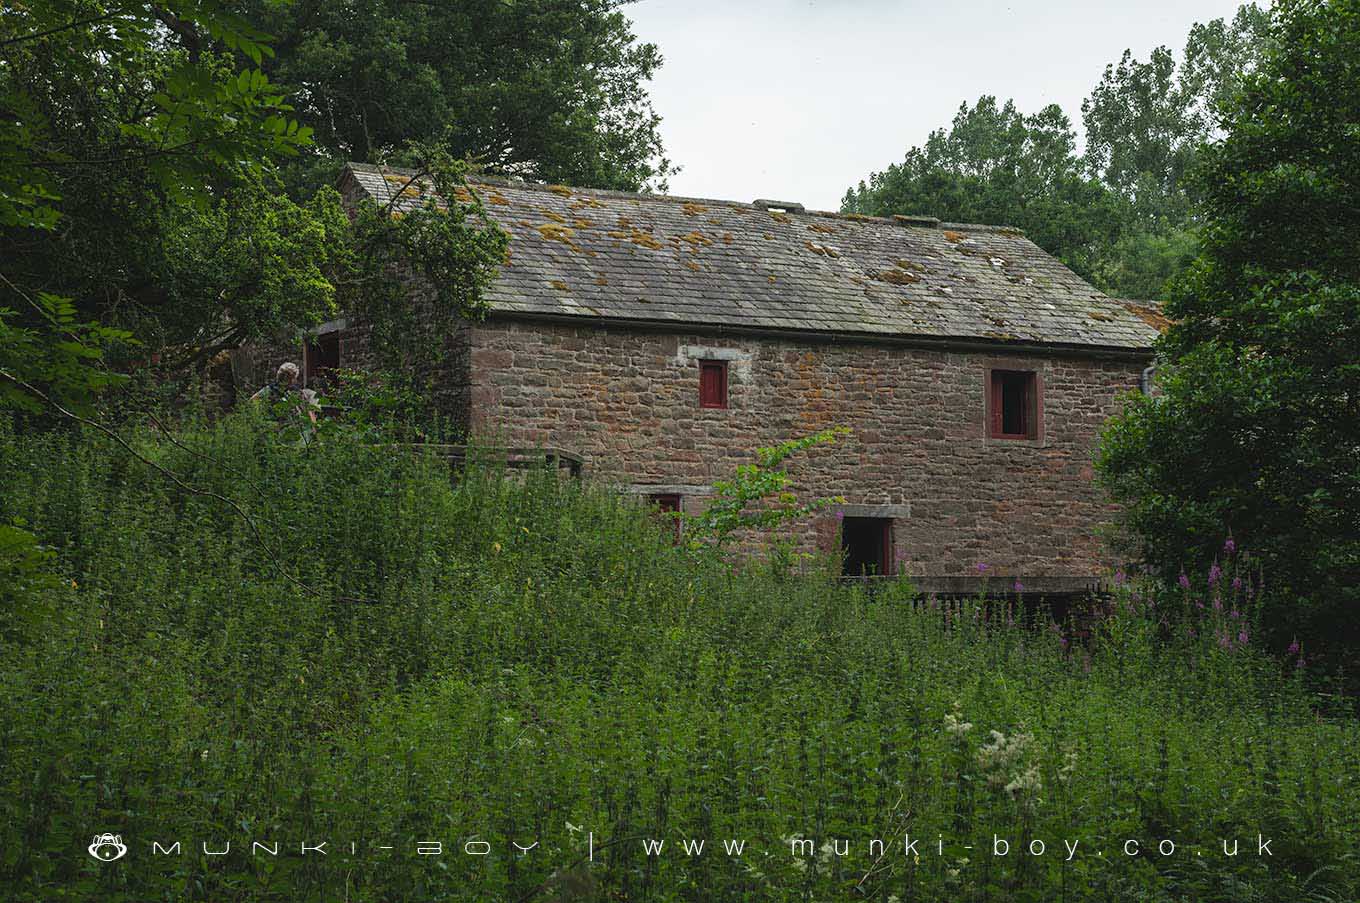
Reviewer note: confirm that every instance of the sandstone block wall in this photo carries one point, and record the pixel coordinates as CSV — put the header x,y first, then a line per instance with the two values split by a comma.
x,y
629,401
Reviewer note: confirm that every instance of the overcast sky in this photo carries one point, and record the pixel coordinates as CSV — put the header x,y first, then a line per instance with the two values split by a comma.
x,y
797,100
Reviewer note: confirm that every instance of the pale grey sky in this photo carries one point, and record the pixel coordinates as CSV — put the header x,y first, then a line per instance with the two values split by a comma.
x,y
797,100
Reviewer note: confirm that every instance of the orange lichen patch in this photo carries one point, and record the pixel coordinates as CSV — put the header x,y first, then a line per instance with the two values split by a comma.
x,y
911,265
896,277
506,261
1101,315
772,278
559,285
769,236
692,265
638,237
411,191
555,217
951,235
561,190
497,198
696,239
691,209
1150,314
858,217
600,280
582,203
714,221
625,222
581,223
554,232
824,250
780,217
406,182
823,229
727,237
526,222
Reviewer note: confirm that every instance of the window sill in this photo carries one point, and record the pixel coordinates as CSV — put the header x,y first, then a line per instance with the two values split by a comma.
x,y
1017,442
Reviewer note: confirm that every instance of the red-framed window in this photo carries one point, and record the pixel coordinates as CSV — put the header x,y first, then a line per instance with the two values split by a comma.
x,y
712,384
1013,404
667,505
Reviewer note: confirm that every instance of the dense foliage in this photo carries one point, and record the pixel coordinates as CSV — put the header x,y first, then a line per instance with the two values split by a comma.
x,y
397,659
118,123
146,149
1118,213
553,90
1256,425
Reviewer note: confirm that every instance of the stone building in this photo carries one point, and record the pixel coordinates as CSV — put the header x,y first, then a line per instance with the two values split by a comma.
x,y
665,339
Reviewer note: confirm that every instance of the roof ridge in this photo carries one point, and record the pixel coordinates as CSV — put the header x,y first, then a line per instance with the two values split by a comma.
x,y
897,220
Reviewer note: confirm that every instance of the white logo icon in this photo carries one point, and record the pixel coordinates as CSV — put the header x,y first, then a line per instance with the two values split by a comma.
x,y
107,847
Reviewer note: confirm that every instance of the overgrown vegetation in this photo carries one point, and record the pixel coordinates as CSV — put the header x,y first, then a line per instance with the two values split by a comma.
x,y
516,657
1254,429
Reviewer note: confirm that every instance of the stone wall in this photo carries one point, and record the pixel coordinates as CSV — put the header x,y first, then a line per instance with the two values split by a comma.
x,y
629,401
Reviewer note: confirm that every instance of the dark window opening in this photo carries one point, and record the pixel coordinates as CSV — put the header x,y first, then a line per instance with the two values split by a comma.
x,y
320,354
667,506
866,546
712,384
1013,405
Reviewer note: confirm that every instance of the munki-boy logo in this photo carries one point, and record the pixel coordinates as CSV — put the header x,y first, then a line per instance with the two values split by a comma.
x,y
107,847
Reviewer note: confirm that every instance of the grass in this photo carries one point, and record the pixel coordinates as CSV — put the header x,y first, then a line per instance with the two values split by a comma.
x,y
520,658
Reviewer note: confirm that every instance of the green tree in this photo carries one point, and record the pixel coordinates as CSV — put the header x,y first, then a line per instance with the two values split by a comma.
x,y
548,89
1145,119
1256,430
1119,214
997,165
103,105
145,205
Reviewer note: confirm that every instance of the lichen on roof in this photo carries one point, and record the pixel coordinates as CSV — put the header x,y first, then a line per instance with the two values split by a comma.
x,y
780,269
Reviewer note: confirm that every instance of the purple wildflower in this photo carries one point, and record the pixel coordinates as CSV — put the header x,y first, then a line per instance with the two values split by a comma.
x,y
1234,614
1242,637
1237,584
1019,587
1294,647
1120,577
1214,573
982,567
1230,546
1184,581
840,515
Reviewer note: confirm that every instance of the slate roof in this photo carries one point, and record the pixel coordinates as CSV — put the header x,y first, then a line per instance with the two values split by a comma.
x,y
638,257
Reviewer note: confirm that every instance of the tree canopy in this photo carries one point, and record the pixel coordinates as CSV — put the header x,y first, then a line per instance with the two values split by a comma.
x,y
997,165
552,90
1118,213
